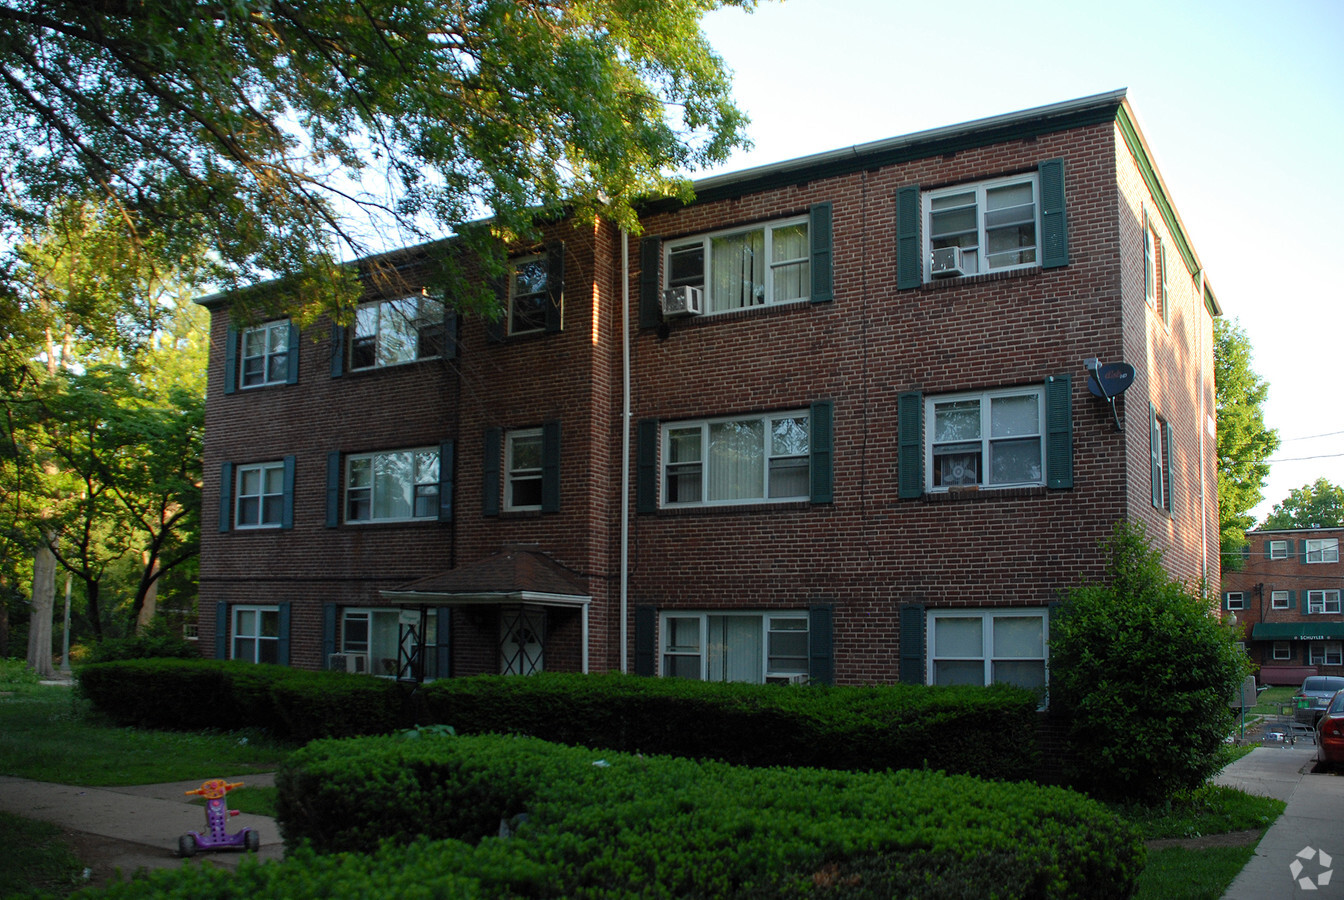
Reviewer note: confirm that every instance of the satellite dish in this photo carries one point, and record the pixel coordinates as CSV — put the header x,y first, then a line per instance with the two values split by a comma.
x,y
1110,380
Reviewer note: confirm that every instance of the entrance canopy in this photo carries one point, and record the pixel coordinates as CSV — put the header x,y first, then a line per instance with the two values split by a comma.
x,y
1297,631
514,576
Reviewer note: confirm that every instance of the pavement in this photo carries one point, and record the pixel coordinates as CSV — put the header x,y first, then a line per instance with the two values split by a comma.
x,y
1302,853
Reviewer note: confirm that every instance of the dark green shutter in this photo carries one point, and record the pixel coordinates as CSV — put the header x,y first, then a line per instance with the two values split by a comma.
x,y
446,460
1227,600
1269,549
1289,548
292,356
650,295
449,332
1155,454
646,632
337,350
912,643
1059,431
821,442
328,633
287,512
1245,552
646,467
1166,283
1169,448
1292,599
231,361
909,252
490,464
498,329
221,630
333,489
821,644
1054,221
910,441
1306,602
443,643
555,287
550,467
282,645
822,257
225,496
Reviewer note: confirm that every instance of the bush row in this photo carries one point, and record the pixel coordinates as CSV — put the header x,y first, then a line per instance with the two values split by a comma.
x,y
988,732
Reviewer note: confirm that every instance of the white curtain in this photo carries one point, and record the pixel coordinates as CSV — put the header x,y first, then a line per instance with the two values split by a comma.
x,y
738,277
737,460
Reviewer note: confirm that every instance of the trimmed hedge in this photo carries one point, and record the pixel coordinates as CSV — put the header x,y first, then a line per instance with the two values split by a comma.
x,y
989,732
592,824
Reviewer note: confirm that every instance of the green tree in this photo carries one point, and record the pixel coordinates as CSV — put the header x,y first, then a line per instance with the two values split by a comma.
x,y
1317,505
284,135
1245,443
1143,670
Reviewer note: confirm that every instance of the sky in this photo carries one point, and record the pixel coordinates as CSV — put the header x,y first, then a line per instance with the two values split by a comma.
x,y
1242,104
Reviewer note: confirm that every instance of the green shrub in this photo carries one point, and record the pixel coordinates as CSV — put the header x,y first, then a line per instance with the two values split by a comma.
x,y
591,823
1143,671
16,673
150,645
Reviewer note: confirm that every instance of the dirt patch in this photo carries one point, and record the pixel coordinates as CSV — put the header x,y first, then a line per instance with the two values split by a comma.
x,y
108,860
1204,842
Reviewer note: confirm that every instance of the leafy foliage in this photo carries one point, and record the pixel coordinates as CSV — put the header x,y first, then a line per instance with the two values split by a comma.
x,y
285,135
1143,669
1244,441
1316,505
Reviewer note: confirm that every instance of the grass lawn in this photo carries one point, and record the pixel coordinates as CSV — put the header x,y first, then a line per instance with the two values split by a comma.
x,y
45,867
1176,873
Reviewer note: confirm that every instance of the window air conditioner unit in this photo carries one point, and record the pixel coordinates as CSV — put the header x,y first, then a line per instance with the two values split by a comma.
x,y
348,662
947,262
684,300
796,678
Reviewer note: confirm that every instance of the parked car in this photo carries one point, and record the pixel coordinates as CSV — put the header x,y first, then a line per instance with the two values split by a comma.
x,y
1330,733
1313,697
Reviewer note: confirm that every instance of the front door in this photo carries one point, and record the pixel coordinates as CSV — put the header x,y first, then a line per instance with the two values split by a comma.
x,y
521,632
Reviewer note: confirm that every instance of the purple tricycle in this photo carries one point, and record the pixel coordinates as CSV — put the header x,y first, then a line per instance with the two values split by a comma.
x,y
216,817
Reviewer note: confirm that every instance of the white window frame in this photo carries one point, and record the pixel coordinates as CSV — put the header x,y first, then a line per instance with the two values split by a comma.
x,y
256,635
981,190
1279,600
1236,600
423,489
1325,550
517,475
1149,264
1282,650
784,463
539,296
1278,549
260,497
1325,653
1322,603
1162,435
986,439
273,356
763,294
987,616
772,622
426,326
374,648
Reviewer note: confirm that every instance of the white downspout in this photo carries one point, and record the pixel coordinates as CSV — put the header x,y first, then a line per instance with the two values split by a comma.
x,y
625,451
1203,432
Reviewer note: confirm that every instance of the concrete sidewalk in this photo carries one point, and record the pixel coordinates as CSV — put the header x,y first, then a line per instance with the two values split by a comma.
x,y
1310,833
140,824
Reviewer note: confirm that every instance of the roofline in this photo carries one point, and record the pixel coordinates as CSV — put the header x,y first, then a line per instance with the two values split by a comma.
x,y
487,598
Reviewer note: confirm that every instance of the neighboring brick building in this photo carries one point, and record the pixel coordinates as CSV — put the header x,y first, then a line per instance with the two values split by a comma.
x,y
852,464
1286,599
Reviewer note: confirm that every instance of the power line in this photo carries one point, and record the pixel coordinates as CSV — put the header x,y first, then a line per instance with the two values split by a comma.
x,y
1311,437
1275,459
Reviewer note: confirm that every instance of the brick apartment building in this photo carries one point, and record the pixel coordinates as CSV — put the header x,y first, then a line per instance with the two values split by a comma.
x,y
832,420
1286,599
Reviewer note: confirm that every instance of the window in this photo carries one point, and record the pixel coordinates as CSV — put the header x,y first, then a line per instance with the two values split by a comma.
x,y
1236,600
1149,263
1283,650
1279,600
1162,447
191,631
529,294
375,636
1325,550
1322,602
523,465
256,634
265,355
750,647
740,269
1278,549
392,487
994,223
261,496
993,439
391,332
982,647
1326,653
753,459
522,633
